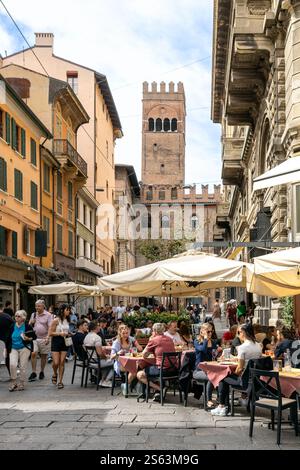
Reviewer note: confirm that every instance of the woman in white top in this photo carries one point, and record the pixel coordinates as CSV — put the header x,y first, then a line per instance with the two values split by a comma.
x,y
248,350
59,331
173,333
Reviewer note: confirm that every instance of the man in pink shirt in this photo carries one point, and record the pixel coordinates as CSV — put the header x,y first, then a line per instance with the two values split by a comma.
x,y
158,344
41,321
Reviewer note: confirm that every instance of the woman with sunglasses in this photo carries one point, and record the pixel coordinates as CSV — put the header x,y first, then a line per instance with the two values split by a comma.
x,y
206,348
59,331
22,346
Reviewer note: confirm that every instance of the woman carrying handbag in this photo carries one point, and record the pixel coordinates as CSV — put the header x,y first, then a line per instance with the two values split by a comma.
x,y
61,341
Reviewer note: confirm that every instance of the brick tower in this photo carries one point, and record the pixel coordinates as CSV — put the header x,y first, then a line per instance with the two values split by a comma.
x,y
163,153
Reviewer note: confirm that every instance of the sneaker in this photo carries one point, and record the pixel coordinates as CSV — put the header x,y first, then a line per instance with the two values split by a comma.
x,y
106,384
70,358
41,376
220,411
156,397
32,377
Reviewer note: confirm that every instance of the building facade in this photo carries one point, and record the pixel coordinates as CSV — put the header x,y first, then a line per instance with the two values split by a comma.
x,y
255,98
96,140
63,174
21,135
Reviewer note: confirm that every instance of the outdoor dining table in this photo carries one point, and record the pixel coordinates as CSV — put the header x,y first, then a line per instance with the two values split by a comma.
x,y
217,371
289,382
133,364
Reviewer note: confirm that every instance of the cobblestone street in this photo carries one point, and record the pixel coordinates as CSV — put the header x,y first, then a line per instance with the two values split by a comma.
x,y
43,418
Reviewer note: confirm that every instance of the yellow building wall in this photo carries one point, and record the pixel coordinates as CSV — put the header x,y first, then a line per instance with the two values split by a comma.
x,y
15,214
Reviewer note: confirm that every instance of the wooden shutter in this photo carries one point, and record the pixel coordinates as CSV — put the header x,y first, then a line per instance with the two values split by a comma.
x,y
3,174
14,245
18,185
26,236
23,142
41,244
13,134
34,196
2,241
8,128
33,151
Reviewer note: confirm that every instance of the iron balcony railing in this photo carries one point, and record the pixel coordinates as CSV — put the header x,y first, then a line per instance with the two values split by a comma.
x,y
63,147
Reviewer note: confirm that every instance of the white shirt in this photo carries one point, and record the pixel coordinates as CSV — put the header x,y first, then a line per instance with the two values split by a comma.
x,y
120,312
249,350
176,338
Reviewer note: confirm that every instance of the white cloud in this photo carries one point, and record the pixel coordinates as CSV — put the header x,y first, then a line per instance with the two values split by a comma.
x,y
131,41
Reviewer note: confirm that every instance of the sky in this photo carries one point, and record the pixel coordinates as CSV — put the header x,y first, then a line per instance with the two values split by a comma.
x,y
132,41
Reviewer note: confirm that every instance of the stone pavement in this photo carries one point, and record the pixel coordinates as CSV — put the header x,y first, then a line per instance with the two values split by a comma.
x,y
43,417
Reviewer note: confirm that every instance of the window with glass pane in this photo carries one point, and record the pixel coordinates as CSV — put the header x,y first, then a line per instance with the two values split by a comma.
x,y
72,78
59,233
46,178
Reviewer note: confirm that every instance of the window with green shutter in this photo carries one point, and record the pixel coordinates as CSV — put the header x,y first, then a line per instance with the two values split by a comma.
x,y
23,143
3,250
59,231
33,152
34,196
14,245
14,135
46,179
8,128
70,250
70,194
59,185
3,174
18,185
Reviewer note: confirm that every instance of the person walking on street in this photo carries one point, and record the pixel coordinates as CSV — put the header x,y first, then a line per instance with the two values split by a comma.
x,y
6,329
60,334
22,344
40,321
216,310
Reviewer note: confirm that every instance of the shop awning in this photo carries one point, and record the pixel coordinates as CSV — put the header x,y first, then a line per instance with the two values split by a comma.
x,y
286,172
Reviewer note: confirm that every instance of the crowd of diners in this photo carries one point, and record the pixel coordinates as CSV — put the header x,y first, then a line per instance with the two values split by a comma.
x,y
45,332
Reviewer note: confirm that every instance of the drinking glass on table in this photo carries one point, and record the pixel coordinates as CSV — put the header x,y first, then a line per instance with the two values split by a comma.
x,y
214,354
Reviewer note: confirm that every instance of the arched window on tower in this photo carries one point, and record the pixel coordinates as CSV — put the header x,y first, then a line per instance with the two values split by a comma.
x,y
165,221
162,169
194,222
174,193
162,194
158,125
174,125
151,125
167,125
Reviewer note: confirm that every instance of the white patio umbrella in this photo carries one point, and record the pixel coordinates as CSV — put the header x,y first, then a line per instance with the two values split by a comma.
x,y
277,274
187,275
64,288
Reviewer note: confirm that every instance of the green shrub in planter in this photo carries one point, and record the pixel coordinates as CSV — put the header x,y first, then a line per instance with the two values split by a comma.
x,y
137,320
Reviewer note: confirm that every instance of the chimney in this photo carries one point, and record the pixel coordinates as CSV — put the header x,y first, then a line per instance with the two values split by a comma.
x,y
44,40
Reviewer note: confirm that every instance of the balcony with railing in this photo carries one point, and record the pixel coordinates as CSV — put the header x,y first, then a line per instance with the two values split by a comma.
x,y
89,265
68,155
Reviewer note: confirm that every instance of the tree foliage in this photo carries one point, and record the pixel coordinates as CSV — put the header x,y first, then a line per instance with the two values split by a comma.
x,y
158,250
287,314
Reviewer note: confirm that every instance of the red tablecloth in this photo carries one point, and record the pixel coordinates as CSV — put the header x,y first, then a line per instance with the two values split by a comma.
x,y
216,371
133,364
288,383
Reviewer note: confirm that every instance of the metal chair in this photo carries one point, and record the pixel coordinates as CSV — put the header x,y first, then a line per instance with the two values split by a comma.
x,y
170,374
275,402
80,360
120,378
93,364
